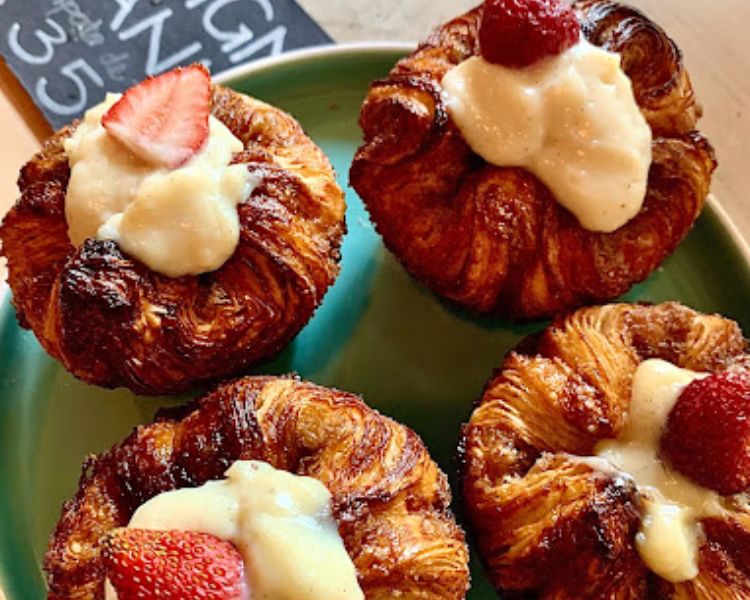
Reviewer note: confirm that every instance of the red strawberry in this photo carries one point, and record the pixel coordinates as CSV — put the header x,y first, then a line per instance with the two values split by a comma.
x,y
164,119
172,565
517,33
707,437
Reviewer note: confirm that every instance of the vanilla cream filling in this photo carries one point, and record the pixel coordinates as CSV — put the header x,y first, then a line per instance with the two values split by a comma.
x,y
670,532
179,221
280,523
572,120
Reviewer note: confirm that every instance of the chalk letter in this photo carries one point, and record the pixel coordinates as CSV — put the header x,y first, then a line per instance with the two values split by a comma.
x,y
155,23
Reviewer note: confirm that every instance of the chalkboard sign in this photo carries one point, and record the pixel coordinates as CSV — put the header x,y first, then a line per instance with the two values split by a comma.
x,y
68,53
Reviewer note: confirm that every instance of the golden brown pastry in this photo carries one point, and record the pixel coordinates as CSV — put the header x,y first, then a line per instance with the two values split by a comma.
x,y
389,498
112,321
548,521
494,239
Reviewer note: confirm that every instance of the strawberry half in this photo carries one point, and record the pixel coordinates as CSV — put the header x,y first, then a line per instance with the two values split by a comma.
x,y
518,33
707,436
172,565
164,119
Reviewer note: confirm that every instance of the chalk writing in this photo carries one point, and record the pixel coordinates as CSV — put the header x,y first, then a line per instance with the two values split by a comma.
x,y
80,25
47,42
154,26
68,53
115,65
71,71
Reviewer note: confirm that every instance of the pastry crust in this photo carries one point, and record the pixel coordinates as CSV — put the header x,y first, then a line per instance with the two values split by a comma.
x,y
390,499
494,239
550,524
114,322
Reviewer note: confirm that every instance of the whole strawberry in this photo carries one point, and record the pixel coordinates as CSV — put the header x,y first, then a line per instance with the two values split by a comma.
x,y
172,565
707,436
518,33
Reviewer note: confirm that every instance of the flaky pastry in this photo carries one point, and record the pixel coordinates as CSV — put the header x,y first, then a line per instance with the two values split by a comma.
x,y
494,239
114,322
389,498
548,522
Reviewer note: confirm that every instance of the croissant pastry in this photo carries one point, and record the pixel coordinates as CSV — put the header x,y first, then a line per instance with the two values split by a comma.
x,y
495,240
389,498
551,524
112,321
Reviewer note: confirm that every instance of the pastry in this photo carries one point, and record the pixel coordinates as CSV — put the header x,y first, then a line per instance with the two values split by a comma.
x,y
386,498
518,169
608,458
180,246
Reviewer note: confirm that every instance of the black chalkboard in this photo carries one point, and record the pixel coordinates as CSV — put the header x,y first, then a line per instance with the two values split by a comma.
x,y
68,53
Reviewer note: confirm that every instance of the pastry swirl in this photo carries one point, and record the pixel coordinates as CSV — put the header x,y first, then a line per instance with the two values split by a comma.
x,y
494,239
389,498
114,322
549,524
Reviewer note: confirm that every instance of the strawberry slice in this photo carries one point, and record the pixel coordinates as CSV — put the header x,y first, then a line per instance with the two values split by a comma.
x,y
707,437
164,119
172,565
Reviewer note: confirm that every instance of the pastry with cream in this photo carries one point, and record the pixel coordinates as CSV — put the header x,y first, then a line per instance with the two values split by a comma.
x,y
178,233
609,457
266,487
530,158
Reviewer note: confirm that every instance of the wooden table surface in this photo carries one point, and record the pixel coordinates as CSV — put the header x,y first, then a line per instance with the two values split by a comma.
x,y
712,36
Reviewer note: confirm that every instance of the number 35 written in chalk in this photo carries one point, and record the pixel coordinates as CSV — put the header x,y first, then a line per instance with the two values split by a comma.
x,y
37,46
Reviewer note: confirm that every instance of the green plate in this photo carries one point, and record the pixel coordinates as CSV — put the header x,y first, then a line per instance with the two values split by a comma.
x,y
378,333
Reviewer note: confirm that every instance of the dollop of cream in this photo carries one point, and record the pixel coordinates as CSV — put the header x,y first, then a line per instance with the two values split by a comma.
x,y
179,221
572,120
670,533
281,523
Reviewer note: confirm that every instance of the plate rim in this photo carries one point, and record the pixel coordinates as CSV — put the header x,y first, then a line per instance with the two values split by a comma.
x,y
312,52
323,51
730,226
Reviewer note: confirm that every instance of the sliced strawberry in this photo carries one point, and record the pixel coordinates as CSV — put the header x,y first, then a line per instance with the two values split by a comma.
x,y
172,565
707,437
164,119
517,33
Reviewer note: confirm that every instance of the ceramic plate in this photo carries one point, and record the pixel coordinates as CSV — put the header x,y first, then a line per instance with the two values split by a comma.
x,y
378,333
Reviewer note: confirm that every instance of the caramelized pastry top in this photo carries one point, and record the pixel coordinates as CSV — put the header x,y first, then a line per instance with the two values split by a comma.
x,y
494,239
551,523
389,498
113,322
